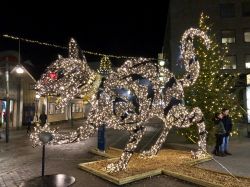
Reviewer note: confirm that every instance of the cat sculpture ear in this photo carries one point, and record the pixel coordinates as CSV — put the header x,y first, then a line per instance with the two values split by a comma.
x,y
75,52
73,49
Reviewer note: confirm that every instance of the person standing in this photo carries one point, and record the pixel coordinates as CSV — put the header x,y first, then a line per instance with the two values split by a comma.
x,y
228,127
219,134
4,121
29,121
43,119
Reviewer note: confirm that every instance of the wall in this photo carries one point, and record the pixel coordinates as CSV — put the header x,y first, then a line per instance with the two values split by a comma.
x,y
184,14
56,115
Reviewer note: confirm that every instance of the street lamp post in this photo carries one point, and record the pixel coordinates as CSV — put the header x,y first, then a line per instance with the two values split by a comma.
x,y
7,113
19,70
48,180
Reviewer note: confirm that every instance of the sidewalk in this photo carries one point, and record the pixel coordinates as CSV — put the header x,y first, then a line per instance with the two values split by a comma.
x,y
238,163
19,161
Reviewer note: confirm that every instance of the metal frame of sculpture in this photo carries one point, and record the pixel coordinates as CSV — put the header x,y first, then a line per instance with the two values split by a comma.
x,y
127,99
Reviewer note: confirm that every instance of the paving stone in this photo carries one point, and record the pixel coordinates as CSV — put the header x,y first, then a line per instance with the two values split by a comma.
x,y
19,161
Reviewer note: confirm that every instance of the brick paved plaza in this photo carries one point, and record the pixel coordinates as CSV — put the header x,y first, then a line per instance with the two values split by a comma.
x,y
19,161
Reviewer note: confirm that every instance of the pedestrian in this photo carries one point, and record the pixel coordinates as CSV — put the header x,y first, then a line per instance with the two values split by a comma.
x,y
29,120
228,127
0,130
219,134
4,117
1,125
43,118
4,122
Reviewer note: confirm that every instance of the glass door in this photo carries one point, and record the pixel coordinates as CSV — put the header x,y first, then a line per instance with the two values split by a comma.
x,y
3,105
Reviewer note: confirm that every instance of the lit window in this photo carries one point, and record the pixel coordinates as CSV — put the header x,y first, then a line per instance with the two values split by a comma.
x,y
248,100
52,108
247,36
77,107
248,81
247,61
60,110
228,36
73,107
227,10
230,62
245,9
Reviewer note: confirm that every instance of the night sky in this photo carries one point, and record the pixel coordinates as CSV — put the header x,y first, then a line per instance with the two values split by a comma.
x,y
119,29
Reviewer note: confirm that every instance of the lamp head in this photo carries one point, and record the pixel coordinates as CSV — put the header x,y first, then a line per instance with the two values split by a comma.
x,y
19,69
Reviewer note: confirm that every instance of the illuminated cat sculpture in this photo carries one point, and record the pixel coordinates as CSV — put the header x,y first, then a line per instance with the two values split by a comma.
x,y
127,98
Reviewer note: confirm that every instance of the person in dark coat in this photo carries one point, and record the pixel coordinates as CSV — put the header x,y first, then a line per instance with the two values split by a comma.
x,y
43,119
219,134
29,121
228,127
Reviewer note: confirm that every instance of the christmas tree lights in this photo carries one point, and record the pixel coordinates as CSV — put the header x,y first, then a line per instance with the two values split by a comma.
x,y
105,66
213,89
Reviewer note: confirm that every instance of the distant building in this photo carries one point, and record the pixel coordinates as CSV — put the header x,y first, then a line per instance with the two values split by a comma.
x,y
74,110
21,91
231,24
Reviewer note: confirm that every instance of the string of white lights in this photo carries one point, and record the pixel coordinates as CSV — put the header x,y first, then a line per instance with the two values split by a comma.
x,y
63,47
129,97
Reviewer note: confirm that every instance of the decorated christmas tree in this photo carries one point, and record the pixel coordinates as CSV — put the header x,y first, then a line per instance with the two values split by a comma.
x,y
105,66
214,89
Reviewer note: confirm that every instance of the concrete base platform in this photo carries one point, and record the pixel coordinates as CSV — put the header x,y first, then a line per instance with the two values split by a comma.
x,y
175,163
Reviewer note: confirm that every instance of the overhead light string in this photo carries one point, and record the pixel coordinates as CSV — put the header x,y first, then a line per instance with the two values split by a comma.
x,y
19,53
33,41
63,47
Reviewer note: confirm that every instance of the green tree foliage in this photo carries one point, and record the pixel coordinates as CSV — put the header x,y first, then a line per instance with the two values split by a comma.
x,y
213,89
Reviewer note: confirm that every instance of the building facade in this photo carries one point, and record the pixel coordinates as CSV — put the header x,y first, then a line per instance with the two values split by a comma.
x,y
231,25
23,102
74,110
21,91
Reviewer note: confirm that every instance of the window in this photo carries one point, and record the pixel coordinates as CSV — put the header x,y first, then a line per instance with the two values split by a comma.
x,y
245,9
227,10
73,107
54,110
248,99
60,110
230,62
76,107
228,36
247,36
248,81
247,61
